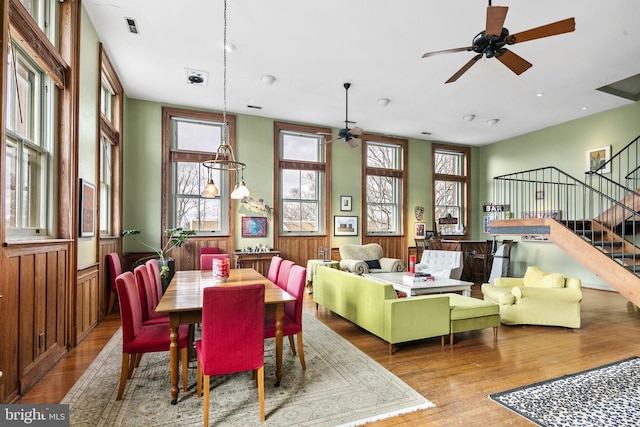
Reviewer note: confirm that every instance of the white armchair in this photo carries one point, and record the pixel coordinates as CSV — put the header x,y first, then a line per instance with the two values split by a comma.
x,y
441,264
367,258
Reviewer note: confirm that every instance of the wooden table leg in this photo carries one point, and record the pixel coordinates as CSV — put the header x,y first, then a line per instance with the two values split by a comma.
x,y
279,316
173,357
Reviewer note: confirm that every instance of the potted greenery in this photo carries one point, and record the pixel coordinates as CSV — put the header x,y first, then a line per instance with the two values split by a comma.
x,y
175,238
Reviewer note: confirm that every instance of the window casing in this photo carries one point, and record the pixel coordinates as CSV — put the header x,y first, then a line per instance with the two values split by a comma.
x,y
192,141
45,15
301,186
450,189
29,148
383,188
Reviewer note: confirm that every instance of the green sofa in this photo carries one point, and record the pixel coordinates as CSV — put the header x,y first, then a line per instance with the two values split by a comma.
x,y
374,306
538,298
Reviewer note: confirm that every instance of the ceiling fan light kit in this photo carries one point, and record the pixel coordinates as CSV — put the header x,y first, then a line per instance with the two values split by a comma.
x,y
493,40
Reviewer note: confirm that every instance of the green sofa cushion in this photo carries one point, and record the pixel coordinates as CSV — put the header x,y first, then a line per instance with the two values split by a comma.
x,y
467,308
532,276
551,280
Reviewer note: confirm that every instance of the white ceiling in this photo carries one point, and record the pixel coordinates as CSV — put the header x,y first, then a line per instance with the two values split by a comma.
x,y
312,48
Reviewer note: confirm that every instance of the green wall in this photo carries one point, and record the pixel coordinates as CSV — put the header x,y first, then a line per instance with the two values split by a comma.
x,y
254,146
564,147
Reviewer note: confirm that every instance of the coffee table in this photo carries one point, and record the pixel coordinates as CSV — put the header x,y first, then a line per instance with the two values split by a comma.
x,y
440,284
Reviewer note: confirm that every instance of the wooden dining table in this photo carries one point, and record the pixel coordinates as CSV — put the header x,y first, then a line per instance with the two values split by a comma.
x,y
183,301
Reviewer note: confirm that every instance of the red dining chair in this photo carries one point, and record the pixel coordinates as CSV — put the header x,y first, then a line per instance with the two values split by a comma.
x,y
208,250
138,338
292,320
232,337
115,269
147,297
274,268
283,273
206,260
153,268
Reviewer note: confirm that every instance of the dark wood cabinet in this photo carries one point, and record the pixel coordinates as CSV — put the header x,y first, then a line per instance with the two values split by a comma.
x,y
257,260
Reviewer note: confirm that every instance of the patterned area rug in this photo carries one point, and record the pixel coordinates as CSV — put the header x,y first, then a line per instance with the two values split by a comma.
x,y
341,386
604,396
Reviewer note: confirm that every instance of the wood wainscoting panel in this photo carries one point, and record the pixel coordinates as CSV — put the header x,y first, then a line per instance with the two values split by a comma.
x,y
107,245
87,301
392,246
300,249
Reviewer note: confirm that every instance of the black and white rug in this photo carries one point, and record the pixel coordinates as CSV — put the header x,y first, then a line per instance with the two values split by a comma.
x,y
605,396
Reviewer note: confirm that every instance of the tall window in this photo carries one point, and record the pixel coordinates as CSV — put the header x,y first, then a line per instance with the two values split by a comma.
x,y
301,184
44,14
29,147
194,137
450,189
383,187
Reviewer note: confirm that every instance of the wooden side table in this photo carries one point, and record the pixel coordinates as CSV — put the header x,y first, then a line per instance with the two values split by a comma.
x,y
312,264
257,260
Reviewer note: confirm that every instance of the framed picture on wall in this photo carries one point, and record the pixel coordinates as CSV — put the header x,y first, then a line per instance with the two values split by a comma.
x,y
598,157
87,204
345,203
254,226
345,225
420,229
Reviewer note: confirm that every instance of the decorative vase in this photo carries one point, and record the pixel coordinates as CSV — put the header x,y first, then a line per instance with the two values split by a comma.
x,y
220,269
170,264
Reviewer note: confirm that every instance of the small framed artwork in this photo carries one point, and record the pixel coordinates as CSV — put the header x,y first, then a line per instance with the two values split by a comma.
x,y
345,203
420,230
487,223
254,226
87,208
540,195
345,225
597,159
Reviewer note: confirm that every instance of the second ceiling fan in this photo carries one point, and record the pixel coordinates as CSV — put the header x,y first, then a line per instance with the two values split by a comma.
x,y
349,135
491,42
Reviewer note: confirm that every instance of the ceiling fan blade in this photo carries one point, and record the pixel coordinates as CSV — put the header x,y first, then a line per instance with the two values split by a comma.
x,y
440,52
495,20
514,62
352,142
464,69
356,131
565,26
332,140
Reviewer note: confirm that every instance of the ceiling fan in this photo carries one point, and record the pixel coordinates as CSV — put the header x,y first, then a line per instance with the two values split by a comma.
x,y
347,134
491,42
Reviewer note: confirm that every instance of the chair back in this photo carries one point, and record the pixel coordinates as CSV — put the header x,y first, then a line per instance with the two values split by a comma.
x,y
295,288
130,307
215,250
206,260
274,268
283,273
146,291
115,269
232,329
154,274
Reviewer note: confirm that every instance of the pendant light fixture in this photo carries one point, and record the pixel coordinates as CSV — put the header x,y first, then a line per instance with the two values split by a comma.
x,y
225,159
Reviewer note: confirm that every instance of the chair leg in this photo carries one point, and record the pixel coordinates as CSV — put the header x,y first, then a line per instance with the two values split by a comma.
x,y
124,372
132,365
138,359
112,301
199,380
185,366
261,391
292,345
451,339
301,351
206,400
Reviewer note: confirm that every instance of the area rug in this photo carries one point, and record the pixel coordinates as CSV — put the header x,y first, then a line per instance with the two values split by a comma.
x,y
341,386
605,396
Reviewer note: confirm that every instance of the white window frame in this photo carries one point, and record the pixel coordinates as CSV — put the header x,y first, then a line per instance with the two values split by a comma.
x,y
395,173
461,179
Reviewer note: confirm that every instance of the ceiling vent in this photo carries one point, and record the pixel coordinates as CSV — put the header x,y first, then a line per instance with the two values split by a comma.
x,y
197,78
133,27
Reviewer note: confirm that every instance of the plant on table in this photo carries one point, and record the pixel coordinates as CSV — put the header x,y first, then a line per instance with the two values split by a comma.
x,y
175,238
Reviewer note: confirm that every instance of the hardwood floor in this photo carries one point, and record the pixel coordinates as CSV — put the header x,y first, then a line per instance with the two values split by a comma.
x,y
457,379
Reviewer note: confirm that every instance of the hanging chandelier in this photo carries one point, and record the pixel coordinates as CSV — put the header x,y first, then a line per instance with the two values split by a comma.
x,y
225,158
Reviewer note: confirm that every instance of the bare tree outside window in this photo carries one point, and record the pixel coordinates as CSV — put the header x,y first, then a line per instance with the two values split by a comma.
x,y
382,187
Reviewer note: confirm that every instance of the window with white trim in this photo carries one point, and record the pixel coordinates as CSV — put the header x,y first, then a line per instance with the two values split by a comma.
x,y
383,187
450,189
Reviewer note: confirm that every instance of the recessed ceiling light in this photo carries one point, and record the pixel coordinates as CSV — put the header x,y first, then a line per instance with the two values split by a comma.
x,y
383,102
268,79
539,94
229,47
469,117
492,122
585,108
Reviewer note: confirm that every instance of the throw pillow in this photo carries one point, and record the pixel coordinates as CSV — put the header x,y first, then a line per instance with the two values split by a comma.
x,y
533,276
373,264
551,280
